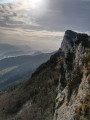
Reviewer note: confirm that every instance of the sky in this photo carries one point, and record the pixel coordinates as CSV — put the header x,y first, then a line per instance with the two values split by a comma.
x,y
41,23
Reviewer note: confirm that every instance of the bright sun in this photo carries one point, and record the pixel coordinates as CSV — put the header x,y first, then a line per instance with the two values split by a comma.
x,y
36,2
38,6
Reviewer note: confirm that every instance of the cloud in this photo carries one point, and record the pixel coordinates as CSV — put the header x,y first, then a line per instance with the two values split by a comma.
x,y
85,0
36,39
57,15
14,14
38,24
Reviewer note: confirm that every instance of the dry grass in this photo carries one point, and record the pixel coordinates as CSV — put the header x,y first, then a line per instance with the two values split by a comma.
x,y
84,109
41,89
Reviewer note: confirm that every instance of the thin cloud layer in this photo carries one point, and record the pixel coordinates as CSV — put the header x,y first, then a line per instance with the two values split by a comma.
x,y
12,14
42,20
53,15
38,40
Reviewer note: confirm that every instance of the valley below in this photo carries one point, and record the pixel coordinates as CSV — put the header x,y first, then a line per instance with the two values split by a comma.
x,y
54,86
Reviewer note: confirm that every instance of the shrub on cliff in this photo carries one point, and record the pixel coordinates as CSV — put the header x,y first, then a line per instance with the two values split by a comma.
x,y
75,81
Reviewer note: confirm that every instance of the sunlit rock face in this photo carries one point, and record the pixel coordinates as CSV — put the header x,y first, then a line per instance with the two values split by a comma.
x,y
73,100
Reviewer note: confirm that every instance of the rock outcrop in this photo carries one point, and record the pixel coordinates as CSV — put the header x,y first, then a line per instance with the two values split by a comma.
x,y
73,101
58,90
68,42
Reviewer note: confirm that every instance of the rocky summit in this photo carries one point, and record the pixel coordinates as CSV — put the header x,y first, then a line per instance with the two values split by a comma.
x,y
58,90
73,98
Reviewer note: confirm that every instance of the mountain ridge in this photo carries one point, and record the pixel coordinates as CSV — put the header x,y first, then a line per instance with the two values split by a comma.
x,y
15,69
58,89
8,50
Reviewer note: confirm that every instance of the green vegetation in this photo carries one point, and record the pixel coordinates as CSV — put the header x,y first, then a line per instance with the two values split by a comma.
x,y
69,60
84,39
62,72
75,81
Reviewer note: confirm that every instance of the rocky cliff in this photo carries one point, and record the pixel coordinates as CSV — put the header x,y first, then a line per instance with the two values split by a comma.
x,y
73,98
58,89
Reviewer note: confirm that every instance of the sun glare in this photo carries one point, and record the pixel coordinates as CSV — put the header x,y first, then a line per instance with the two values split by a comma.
x,y
37,3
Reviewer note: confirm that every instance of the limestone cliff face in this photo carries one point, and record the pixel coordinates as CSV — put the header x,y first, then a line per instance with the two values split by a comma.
x,y
68,41
73,98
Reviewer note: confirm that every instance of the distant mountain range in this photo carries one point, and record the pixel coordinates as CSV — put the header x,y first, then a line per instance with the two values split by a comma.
x,y
7,50
14,69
